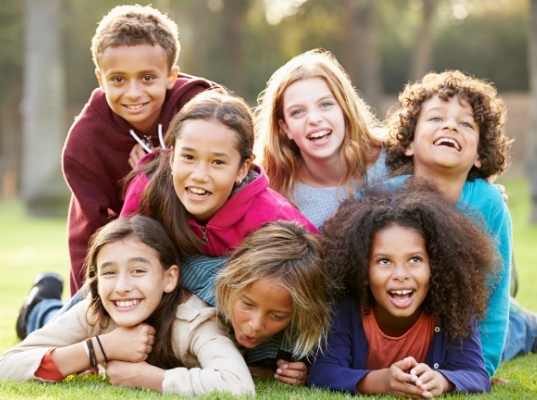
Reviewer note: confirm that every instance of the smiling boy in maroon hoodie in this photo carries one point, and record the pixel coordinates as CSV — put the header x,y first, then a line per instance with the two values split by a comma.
x,y
135,51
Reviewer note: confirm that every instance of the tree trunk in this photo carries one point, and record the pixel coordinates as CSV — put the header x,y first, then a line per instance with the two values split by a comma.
x,y
532,134
361,57
43,109
421,62
234,17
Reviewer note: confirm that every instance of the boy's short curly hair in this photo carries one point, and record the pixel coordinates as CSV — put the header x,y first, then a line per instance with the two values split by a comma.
x,y
133,25
490,114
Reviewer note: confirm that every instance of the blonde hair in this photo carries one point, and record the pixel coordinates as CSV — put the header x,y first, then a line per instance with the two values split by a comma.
x,y
279,156
288,253
134,25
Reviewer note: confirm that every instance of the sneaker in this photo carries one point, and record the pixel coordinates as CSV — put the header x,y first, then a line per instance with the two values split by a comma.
x,y
48,285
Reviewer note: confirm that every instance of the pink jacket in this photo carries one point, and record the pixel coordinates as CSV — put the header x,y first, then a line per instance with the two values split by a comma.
x,y
245,211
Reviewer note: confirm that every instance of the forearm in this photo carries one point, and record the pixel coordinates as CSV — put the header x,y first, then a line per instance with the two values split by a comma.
x,y
375,382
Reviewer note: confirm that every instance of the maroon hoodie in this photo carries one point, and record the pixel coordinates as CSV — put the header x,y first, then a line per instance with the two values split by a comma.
x,y
95,161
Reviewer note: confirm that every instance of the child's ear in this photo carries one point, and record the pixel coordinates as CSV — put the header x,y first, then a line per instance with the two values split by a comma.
x,y
284,127
99,77
171,278
243,171
409,151
172,77
477,162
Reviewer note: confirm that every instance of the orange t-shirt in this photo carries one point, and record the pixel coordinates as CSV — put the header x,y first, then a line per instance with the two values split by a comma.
x,y
48,369
385,350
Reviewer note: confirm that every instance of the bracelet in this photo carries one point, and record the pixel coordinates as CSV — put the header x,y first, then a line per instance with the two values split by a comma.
x,y
92,356
102,348
85,345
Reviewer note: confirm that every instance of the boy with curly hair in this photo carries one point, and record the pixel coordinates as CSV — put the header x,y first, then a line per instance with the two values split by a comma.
x,y
135,50
450,127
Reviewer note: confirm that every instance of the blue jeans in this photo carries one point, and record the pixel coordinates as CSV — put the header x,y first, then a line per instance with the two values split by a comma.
x,y
47,309
521,334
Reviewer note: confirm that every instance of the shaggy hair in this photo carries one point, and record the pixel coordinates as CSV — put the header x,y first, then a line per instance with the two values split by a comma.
x,y
290,255
280,156
490,114
151,233
135,25
462,257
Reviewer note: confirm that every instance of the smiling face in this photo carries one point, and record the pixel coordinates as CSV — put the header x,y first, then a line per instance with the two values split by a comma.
x,y
446,138
135,80
262,310
399,274
313,119
205,165
131,280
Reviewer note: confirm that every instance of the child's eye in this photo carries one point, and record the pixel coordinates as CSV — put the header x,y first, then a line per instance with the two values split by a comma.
x,y
246,303
117,79
138,271
295,113
148,78
277,317
467,124
188,157
326,104
383,261
415,259
435,119
107,273
219,162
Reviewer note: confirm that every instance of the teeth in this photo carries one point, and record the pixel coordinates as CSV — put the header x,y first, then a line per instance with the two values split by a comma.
x,y
447,141
197,191
127,303
319,134
401,292
135,107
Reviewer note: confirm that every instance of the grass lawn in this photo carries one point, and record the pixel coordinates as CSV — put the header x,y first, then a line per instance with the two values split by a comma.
x,y
29,246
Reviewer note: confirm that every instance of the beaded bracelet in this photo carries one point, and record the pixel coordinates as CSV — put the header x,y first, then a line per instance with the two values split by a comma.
x,y
92,356
102,348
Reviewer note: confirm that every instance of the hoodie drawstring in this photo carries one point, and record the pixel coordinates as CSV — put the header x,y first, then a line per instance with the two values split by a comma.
x,y
146,145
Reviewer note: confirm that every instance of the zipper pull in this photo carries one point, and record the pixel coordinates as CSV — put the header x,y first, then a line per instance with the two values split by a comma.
x,y
204,233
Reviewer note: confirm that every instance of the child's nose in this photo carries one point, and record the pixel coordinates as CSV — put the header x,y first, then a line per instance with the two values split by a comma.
x,y
124,283
200,172
256,322
133,89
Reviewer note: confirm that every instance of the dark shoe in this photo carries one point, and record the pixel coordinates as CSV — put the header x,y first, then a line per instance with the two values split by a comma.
x,y
46,286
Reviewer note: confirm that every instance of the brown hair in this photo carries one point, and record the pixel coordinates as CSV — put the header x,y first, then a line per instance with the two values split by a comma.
x,y
134,25
462,257
490,114
159,198
151,233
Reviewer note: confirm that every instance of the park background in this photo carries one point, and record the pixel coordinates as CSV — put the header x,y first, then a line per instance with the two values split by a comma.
x,y
46,76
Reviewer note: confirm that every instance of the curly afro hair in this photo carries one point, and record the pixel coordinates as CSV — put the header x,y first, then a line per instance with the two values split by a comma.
x,y
462,257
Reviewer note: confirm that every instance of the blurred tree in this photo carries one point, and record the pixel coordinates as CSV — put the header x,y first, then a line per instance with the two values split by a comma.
x,y
421,61
532,134
10,96
43,188
361,54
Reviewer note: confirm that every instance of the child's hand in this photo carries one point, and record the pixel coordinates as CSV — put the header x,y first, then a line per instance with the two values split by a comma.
x,y
401,381
136,153
431,382
292,373
129,344
135,375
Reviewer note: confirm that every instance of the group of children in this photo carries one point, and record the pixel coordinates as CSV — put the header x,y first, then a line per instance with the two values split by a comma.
x,y
352,256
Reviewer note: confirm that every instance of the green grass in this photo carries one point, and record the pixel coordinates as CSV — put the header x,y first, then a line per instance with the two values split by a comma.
x,y
29,246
